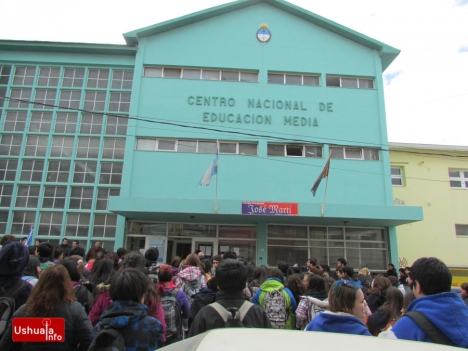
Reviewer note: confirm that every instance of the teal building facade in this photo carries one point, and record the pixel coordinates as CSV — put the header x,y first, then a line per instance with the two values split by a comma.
x,y
108,142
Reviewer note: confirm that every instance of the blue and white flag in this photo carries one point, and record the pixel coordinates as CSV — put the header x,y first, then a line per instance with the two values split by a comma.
x,y
211,171
29,242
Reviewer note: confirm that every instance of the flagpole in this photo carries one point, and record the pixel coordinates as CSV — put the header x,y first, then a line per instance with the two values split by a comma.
x,y
217,176
324,198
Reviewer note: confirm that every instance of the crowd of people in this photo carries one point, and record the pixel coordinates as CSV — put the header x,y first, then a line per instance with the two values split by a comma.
x,y
131,298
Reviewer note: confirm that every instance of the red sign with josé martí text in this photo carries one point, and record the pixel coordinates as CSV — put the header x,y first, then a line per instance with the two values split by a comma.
x,y
38,330
270,208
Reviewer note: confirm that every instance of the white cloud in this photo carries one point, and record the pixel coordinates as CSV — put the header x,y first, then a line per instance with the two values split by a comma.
x,y
426,90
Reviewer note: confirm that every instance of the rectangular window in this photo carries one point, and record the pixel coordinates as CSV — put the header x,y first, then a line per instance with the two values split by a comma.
x,y
62,146
32,170
50,223
5,75
3,220
70,99
294,150
119,102
95,101
8,169
19,98
203,74
6,193
45,98
111,173
22,222
48,76
98,78
105,226
73,77
91,123
458,179
27,196
15,121
461,230
350,82
293,79
122,80
397,176
77,224
153,72
2,96
11,144
114,148
40,122
103,197
81,198
354,153
24,76
36,145
88,147
188,73
58,171
116,125
196,146
54,197
85,172
66,122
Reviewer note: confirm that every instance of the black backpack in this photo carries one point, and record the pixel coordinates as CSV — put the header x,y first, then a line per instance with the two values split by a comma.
x,y
107,339
7,303
233,317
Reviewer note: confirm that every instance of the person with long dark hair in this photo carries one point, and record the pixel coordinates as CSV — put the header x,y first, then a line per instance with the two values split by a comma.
x,y
377,293
53,296
312,302
83,295
102,271
260,274
388,314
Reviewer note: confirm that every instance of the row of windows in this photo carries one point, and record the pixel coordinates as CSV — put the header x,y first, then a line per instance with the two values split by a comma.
x,y
241,148
80,198
62,146
65,122
59,171
252,76
458,178
50,224
67,77
68,99
196,146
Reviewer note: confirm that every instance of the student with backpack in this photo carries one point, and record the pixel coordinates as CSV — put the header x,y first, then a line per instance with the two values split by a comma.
x,y
230,309
126,320
191,279
312,302
175,305
277,301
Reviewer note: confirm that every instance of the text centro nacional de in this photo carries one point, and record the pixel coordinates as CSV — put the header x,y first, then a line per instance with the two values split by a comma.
x,y
293,113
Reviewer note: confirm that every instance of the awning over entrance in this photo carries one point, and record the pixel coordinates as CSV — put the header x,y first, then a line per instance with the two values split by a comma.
x,y
230,211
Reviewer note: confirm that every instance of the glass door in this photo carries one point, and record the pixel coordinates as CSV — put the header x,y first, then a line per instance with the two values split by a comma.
x,y
158,242
209,246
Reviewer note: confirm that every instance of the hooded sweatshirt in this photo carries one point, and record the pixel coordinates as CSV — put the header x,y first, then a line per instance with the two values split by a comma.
x,y
130,318
343,323
446,310
189,274
275,284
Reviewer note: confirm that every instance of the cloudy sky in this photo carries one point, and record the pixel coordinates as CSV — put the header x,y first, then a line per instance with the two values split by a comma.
x,y
426,90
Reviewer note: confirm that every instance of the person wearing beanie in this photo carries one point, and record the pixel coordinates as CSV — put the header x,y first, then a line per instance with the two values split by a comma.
x,y
14,258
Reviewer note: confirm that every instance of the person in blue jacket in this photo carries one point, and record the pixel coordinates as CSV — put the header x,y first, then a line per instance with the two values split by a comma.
x,y
276,282
347,307
432,282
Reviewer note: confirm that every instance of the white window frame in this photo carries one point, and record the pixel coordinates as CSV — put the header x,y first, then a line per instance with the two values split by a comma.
x,y
358,82
400,176
303,146
363,151
302,75
462,178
